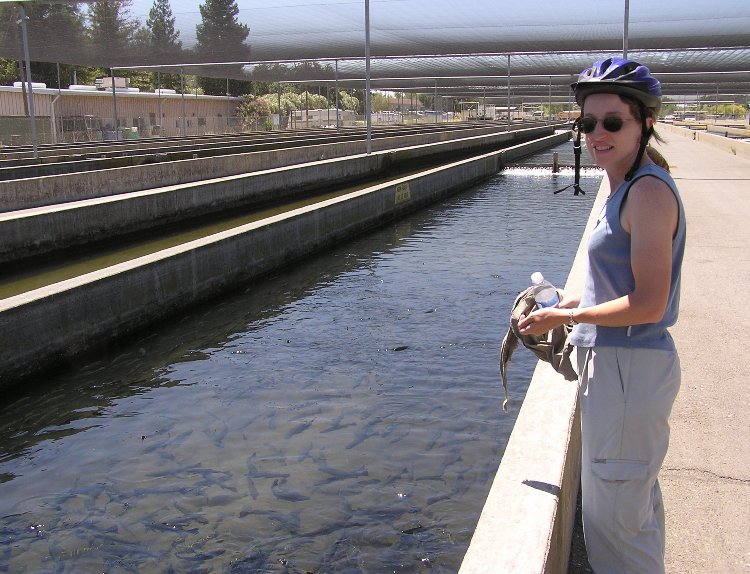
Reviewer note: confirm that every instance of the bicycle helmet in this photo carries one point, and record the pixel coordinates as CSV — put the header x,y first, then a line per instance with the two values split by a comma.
x,y
622,77
619,76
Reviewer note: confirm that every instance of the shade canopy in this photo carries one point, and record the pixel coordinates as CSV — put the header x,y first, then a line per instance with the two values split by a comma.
x,y
463,49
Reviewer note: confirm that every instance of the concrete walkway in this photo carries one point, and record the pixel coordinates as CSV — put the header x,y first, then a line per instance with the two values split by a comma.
x,y
706,476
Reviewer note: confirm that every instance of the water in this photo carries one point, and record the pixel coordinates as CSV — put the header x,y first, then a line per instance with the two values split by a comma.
x,y
341,416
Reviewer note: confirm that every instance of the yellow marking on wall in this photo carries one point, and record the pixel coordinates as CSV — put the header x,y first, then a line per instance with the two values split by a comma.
x,y
403,193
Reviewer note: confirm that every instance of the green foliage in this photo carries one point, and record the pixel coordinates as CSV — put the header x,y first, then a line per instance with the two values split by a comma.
x,y
379,102
252,109
220,37
348,102
291,101
220,34
163,38
725,110
110,30
8,72
218,86
426,100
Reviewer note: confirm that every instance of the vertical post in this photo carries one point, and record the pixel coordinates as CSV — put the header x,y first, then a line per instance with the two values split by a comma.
x,y
158,100
25,36
182,89
549,117
59,95
114,104
434,101
508,110
367,76
626,20
278,95
337,94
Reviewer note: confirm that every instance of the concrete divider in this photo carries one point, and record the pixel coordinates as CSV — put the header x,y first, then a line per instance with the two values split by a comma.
x,y
47,190
45,326
733,146
39,230
526,524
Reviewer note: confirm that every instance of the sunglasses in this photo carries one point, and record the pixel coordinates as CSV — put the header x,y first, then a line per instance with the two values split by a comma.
x,y
610,123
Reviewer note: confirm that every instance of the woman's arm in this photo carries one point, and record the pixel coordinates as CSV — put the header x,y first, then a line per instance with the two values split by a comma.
x,y
650,217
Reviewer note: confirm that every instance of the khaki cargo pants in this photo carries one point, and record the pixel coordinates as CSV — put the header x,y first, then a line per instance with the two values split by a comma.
x,y
626,396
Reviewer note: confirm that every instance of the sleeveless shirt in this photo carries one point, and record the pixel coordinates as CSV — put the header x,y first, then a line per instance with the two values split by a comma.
x,y
609,274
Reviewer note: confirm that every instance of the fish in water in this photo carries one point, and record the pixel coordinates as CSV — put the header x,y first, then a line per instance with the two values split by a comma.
x,y
282,493
301,427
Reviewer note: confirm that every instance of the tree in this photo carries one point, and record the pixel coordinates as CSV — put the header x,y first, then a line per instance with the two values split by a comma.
x,y
8,71
110,30
379,102
220,37
163,43
253,109
348,102
164,37
44,21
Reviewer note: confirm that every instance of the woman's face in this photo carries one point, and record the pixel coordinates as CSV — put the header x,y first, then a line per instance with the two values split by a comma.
x,y
612,151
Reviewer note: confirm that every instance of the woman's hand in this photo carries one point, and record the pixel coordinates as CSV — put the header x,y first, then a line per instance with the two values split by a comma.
x,y
542,320
567,301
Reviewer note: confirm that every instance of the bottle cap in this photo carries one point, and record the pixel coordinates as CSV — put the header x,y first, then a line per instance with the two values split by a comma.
x,y
537,277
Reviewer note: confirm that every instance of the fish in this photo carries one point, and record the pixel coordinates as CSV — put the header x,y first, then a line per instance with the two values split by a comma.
x,y
301,427
365,433
338,474
254,473
336,424
284,494
290,521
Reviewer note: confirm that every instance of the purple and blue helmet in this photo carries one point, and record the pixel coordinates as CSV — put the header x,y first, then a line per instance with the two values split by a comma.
x,y
619,76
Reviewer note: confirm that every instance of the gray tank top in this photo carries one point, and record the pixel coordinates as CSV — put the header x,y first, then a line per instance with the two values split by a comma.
x,y
609,274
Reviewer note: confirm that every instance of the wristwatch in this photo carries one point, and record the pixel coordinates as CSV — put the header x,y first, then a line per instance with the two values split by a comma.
x,y
571,321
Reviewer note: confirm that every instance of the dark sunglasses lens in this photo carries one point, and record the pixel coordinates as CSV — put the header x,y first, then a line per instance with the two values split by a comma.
x,y
611,124
588,125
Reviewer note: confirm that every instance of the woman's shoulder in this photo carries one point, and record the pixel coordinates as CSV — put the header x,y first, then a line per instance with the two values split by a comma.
x,y
651,174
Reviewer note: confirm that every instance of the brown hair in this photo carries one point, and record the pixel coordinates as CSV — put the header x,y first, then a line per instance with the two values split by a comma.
x,y
651,152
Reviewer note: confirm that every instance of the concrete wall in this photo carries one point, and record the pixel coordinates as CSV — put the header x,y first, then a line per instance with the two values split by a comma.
x,y
42,229
526,524
46,325
24,194
735,147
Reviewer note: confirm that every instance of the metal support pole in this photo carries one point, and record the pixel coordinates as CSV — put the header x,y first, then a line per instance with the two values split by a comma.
x,y
549,117
626,20
182,89
59,95
508,110
434,101
367,76
114,104
279,99
337,94
25,35
158,100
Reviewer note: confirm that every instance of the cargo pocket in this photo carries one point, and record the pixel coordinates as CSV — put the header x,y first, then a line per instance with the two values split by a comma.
x,y
619,469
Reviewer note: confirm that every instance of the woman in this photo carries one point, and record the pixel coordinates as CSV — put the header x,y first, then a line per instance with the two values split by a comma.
x,y
628,367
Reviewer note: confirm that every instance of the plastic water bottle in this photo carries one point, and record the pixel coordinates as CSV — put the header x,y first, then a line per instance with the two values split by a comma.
x,y
544,292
